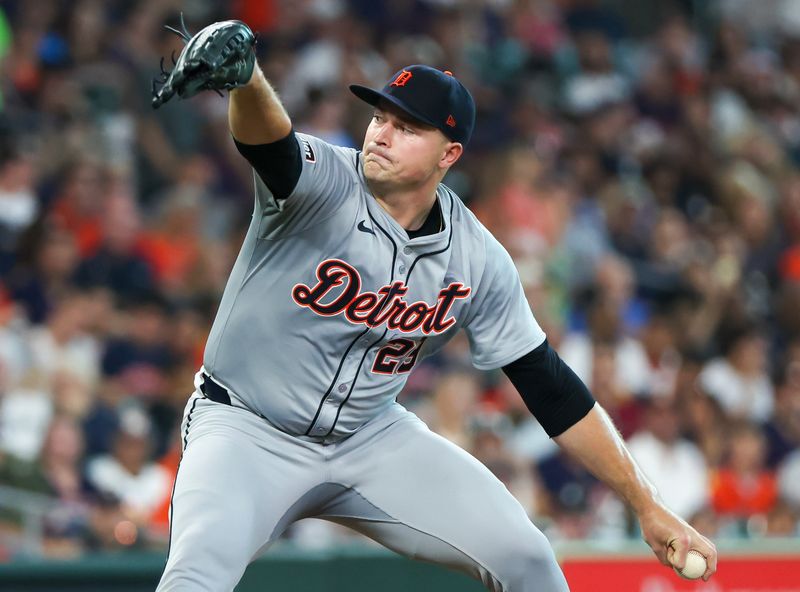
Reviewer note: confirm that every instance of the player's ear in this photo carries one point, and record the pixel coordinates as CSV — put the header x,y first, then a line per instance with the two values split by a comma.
x,y
452,152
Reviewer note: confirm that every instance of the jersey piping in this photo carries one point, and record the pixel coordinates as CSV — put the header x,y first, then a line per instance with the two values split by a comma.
x,y
356,338
374,343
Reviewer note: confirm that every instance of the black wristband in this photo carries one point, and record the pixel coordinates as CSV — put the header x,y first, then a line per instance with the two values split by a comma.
x,y
551,390
279,163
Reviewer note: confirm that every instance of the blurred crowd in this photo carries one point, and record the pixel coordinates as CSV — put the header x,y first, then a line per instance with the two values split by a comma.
x,y
640,165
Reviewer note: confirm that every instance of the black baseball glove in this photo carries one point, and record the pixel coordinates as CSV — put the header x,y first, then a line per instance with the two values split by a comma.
x,y
220,56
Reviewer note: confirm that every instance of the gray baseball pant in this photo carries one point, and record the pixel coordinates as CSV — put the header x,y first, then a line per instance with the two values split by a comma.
x,y
242,482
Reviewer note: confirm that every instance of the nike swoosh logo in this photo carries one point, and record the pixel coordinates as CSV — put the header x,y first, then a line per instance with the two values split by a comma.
x,y
363,228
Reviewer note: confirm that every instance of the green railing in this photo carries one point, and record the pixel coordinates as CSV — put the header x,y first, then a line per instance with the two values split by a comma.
x,y
288,569
285,570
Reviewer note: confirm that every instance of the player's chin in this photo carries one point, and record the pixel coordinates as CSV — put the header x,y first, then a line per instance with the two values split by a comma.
x,y
374,171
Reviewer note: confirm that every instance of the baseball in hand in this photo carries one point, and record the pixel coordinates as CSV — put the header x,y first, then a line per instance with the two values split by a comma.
x,y
695,566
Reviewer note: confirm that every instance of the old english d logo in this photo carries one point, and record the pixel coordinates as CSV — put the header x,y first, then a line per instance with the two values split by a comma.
x,y
402,78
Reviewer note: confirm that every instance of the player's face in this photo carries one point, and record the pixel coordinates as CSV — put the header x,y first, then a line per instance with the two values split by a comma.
x,y
401,152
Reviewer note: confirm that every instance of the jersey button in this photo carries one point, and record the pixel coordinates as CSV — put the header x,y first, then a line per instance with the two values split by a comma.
x,y
407,251
342,388
402,269
319,430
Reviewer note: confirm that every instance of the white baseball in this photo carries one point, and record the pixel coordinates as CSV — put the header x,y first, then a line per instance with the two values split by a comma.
x,y
695,566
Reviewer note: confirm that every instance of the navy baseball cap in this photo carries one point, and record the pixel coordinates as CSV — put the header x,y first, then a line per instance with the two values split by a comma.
x,y
429,95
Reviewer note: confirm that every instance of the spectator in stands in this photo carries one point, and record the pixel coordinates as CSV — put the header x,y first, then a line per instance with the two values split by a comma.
x,y
744,486
489,446
739,379
782,521
55,479
64,342
173,247
658,338
525,438
674,465
597,83
783,430
569,491
72,395
61,464
139,360
77,208
38,285
128,473
789,479
606,325
613,365
18,204
454,403
704,423
117,263
789,210
25,406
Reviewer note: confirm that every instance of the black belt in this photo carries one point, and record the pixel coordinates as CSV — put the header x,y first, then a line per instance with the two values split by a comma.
x,y
214,391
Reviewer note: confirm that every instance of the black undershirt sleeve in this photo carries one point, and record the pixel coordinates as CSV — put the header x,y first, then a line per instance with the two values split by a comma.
x,y
278,163
551,390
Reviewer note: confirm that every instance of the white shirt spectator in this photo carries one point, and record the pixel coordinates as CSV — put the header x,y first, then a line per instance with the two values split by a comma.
x,y
15,354
80,355
740,396
127,472
18,209
678,471
789,478
632,366
321,64
528,440
25,415
587,92
142,492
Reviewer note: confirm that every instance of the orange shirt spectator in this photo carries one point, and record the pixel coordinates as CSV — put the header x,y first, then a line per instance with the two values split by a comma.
x,y
171,258
87,231
173,248
78,209
744,486
790,263
743,496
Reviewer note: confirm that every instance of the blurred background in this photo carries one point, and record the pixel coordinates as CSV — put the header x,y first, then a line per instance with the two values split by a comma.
x,y
639,160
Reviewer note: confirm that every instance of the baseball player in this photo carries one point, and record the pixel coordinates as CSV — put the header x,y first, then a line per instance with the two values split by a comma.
x,y
356,266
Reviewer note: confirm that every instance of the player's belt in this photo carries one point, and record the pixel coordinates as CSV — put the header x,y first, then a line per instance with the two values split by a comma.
x,y
214,391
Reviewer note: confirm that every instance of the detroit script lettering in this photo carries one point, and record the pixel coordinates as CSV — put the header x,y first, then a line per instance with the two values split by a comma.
x,y
386,306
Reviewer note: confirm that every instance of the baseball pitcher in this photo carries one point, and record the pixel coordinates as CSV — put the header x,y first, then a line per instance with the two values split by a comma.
x,y
357,265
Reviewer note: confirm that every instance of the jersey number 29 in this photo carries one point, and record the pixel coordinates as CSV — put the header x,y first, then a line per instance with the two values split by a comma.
x,y
398,356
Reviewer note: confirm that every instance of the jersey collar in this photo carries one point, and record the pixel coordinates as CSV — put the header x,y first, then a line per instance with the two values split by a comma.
x,y
398,233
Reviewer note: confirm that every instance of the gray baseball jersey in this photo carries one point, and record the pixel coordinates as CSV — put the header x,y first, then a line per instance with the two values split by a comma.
x,y
328,308
330,305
